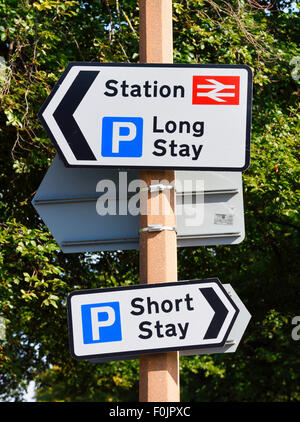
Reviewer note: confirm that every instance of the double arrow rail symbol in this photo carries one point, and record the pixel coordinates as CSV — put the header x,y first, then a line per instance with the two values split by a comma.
x,y
215,93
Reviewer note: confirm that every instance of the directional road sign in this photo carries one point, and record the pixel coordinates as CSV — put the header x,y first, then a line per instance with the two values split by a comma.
x,y
231,344
153,318
176,116
207,213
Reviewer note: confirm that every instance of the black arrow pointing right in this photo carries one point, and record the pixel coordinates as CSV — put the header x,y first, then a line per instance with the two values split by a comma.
x,y
220,312
64,115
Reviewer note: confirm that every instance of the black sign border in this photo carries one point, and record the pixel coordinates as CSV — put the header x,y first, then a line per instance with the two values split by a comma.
x,y
178,65
135,354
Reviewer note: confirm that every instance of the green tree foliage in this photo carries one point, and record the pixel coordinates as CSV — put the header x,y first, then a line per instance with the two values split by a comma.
x,y
37,40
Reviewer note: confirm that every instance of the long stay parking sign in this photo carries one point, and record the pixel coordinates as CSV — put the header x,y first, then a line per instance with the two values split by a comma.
x,y
152,116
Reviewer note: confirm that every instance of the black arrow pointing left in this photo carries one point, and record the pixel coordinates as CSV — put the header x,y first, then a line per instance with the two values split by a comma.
x,y
64,115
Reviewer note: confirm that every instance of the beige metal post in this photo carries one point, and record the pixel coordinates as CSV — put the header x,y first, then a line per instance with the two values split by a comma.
x,y
159,373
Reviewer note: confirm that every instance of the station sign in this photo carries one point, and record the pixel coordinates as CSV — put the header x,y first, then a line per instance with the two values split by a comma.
x,y
133,320
176,116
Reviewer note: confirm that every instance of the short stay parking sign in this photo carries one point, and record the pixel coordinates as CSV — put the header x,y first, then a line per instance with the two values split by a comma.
x,y
152,116
126,321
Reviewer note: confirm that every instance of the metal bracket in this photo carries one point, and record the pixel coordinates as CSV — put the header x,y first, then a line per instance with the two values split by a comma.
x,y
157,188
157,228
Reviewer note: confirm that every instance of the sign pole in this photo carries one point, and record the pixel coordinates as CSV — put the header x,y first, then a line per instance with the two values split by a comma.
x,y
159,373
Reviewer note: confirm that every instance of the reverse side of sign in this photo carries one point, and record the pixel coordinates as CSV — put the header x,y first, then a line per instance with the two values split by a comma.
x,y
151,116
209,208
134,320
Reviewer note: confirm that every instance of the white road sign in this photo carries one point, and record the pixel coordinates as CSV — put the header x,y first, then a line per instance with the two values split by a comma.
x,y
126,321
152,116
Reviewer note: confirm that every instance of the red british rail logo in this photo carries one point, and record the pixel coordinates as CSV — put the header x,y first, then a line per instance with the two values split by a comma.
x,y
216,90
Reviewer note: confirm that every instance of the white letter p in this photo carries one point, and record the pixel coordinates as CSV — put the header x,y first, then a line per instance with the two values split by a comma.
x,y
117,138
96,324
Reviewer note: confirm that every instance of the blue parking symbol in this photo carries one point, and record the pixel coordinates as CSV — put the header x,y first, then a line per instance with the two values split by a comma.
x,y
122,137
101,322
